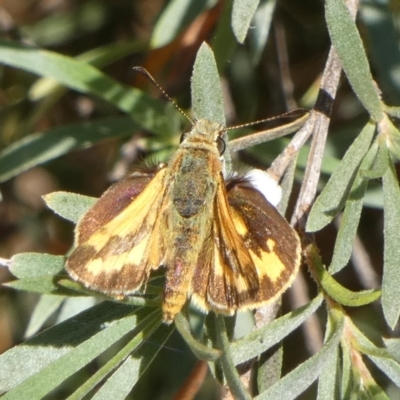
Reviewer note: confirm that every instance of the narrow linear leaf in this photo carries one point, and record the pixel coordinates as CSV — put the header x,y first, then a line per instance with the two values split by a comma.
x,y
262,339
119,385
200,350
269,367
393,347
84,78
332,198
206,89
393,111
30,357
351,215
141,332
390,134
42,147
349,46
231,374
391,256
242,14
41,285
298,380
389,366
98,57
73,306
70,206
177,15
44,309
261,27
380,29
328,388
363,344
380,163
49,377
32,265
348,380
60,28
375,392
224,42
137,301
338,292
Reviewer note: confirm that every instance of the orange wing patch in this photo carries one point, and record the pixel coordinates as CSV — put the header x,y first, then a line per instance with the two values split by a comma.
x,y
252,256
118,257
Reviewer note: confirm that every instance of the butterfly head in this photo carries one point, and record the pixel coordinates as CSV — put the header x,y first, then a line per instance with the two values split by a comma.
x,y
207,133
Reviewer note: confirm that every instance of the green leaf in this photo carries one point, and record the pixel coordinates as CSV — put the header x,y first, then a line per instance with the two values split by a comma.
x,y
380,30
393,111
261,27
391,256
200,350
228,366
122,381
351,215
41,285
349,46
44,309
177,15
338,292
75,305
390,136
70,206
84,78
298,380
375,392
262,339
49,377
393,347
207,101
389,366
141,333
224,42
33,265
269,367
242,14
328,388
380,163
119,385
332,198
62,27
97,326
348,380
39,148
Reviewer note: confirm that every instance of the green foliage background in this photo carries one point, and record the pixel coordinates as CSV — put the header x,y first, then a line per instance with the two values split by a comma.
x,y
75,117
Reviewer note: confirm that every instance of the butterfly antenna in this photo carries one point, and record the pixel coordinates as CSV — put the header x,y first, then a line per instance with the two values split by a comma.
x,y
289,114
147,74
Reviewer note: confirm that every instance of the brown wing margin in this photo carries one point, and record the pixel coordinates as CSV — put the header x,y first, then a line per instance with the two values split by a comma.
x,y
225,276
273,244
251,256
117,257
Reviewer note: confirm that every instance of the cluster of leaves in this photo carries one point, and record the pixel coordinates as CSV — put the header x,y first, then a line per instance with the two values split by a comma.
x,y
41,364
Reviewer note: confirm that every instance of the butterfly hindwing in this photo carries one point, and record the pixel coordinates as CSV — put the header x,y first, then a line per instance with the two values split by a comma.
x,y
272,243
245,263
118,240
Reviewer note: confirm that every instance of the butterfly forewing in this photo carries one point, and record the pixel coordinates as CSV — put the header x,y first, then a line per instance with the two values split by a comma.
x,y
117,257
252,256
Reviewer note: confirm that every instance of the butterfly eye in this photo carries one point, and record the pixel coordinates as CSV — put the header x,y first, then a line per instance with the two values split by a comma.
x,y
221,146
183,136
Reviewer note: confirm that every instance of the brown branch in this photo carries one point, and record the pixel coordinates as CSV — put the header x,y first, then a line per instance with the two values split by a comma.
x,y
318,125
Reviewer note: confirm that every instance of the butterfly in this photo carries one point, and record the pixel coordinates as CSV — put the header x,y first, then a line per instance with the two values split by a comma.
x,y
221,242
